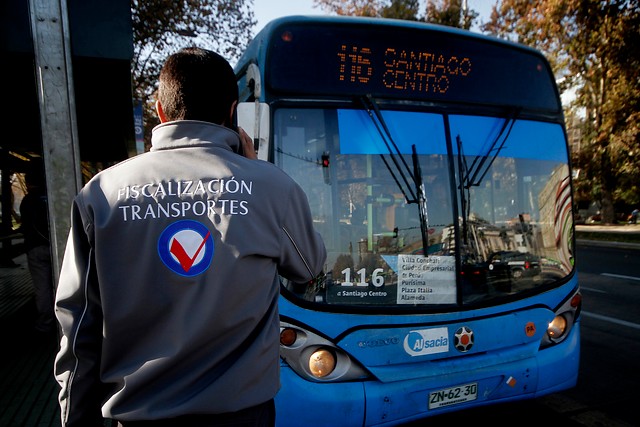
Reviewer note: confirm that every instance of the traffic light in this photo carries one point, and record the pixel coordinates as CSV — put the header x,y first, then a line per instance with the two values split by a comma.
x,y
325,159
325,167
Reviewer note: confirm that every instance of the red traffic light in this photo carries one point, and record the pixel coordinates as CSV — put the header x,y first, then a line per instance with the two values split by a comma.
x,y
325,160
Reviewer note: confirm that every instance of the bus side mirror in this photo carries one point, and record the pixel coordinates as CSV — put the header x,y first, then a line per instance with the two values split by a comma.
x,y
253,117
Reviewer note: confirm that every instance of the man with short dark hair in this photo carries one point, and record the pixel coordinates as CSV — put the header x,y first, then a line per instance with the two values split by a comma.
x,y
168,291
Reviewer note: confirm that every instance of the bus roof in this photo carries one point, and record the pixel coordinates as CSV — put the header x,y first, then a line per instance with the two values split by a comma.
x,y
330,55
363,20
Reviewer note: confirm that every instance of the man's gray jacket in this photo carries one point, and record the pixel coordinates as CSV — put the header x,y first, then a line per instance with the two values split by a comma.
x,y
168,291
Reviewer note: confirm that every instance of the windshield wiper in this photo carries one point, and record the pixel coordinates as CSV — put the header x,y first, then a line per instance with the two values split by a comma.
x,y
381,126
469,175
479,162
463,173
416,193
421,197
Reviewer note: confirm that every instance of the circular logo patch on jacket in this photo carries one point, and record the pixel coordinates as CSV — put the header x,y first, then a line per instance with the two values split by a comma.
x,y
186,247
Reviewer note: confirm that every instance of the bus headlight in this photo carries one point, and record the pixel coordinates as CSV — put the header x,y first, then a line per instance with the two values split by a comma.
x,y
557,327
321,363
315,358
565,317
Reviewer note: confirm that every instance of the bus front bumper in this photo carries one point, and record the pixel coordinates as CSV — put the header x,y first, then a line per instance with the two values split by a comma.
x,y
374,403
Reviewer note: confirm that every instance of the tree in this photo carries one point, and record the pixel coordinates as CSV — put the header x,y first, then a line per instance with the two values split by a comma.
x,y
160,27
401,9
594,48
453,13
351,7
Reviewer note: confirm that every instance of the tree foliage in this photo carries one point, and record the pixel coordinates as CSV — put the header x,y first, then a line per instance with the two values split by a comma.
x,y
398,9
594,47
161,27
453,13
350,7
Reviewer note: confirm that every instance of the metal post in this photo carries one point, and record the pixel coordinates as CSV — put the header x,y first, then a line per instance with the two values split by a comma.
x,y
52,49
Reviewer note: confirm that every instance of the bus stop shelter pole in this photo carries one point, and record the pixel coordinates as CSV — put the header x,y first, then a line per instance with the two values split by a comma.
x,y
54,79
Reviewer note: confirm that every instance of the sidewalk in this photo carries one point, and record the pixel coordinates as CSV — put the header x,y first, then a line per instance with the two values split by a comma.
x,y
28,390
619,228
620,236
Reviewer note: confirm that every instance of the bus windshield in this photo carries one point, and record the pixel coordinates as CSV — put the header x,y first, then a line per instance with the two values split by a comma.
x,y
496,209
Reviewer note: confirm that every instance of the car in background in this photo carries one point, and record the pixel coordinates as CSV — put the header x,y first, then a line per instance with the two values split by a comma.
x,y
474,274
506,267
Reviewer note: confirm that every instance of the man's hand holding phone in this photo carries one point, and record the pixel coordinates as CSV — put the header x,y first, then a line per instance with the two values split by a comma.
x,y
247,145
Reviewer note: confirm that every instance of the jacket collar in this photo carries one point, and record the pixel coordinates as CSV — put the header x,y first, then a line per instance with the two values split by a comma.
x,y
192,133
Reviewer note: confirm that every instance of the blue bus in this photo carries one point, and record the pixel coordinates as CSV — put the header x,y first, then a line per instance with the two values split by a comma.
x,y
437,168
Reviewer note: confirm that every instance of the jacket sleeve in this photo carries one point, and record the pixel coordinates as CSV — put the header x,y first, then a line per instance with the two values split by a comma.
x,y
303,253
77,364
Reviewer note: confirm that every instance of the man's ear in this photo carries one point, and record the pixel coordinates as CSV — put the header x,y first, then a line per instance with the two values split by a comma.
x,y
160,112
232,111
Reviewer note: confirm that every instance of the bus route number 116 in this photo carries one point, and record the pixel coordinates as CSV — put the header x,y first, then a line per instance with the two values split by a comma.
x,y
377,279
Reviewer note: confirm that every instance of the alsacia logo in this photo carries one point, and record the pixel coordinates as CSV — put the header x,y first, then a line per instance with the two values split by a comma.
x,y
427,341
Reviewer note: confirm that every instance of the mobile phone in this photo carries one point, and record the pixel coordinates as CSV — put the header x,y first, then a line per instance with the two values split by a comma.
x,y
234,125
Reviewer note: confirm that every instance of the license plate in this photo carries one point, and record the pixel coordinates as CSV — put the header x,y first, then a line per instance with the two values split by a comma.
x,y
453,395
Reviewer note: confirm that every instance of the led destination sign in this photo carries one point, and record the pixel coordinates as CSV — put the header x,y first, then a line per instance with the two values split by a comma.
x,y
413,71
330,60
